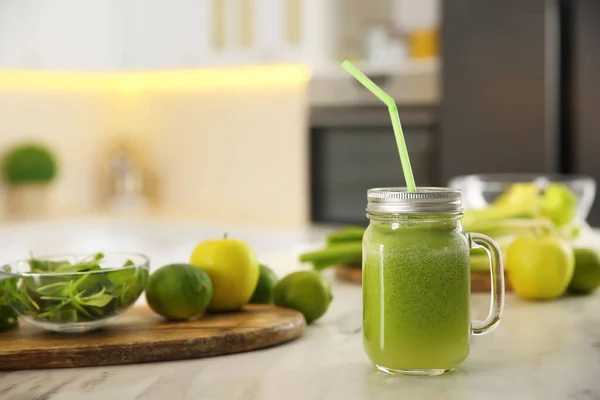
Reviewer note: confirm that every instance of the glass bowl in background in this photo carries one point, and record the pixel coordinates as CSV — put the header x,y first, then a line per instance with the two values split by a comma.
x,y
479,191
74,301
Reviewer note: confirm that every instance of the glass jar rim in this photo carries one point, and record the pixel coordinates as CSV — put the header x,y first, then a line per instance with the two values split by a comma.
x,y
426,200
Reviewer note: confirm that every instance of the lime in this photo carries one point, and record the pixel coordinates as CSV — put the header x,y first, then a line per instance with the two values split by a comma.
x,y
586,277
305,291
179,291
233,270
265,289
540,267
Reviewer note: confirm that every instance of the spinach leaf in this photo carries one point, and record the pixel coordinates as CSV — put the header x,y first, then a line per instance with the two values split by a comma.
x,y
8,317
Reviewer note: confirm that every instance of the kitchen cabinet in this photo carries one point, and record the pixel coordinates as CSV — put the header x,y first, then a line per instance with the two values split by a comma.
x,y
75,34
191,33
156,34
60,34
17,41
162,34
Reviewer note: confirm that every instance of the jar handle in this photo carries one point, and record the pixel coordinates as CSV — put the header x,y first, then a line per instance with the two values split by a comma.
x,y
497,269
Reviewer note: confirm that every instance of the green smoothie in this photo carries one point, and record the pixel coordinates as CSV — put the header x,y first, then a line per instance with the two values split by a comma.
x,y
416,292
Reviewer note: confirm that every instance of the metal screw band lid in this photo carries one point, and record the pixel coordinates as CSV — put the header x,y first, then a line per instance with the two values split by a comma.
x,y
426,200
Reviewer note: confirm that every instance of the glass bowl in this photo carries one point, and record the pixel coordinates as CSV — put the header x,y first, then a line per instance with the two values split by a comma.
x,y
92,292
481,190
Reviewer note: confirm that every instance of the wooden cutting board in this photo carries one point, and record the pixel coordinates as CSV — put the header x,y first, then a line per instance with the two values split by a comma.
x,y
349,274
142,336
480,281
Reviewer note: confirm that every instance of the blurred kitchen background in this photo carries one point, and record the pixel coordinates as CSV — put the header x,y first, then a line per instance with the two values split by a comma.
x,y
237,111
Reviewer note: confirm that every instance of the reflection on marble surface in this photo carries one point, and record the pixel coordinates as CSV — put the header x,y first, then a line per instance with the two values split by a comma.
x,y
541,350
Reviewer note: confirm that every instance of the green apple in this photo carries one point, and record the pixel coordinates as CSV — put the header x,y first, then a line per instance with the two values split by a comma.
x,y
559,204
233,269
540,267
518,195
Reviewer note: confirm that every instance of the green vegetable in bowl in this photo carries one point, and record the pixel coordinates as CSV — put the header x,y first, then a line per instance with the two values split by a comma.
x,y
8,317
84,291
555,203
559,204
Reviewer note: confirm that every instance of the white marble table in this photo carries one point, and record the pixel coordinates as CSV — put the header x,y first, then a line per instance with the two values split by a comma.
x,y
540,351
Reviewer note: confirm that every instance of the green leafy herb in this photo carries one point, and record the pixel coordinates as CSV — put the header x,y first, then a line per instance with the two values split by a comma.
x,y
8,317
75,297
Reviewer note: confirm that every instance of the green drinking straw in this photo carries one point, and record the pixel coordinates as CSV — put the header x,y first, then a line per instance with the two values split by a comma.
x,y
391,104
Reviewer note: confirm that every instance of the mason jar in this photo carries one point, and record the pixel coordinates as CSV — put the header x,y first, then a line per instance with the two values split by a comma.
x,y
417,282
